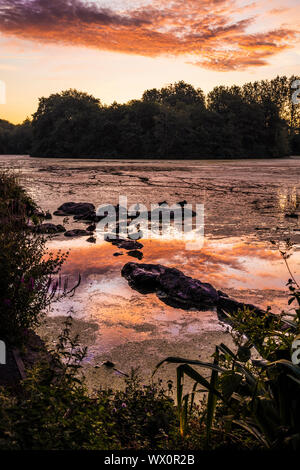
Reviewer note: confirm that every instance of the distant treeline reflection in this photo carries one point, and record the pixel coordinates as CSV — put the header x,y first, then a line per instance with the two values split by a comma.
x,y
178,121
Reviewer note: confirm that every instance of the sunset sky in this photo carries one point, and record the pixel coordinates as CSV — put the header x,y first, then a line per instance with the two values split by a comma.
x,y
116,49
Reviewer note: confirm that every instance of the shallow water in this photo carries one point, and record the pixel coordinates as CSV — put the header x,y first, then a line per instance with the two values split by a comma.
x,y
245,203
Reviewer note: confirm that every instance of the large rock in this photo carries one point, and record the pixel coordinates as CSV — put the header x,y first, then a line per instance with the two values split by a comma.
x,y
76,208
89,216
171,286
174,288
60,213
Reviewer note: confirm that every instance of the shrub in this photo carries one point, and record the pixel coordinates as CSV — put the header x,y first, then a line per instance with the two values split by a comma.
x,y
144,415
260,396
54,411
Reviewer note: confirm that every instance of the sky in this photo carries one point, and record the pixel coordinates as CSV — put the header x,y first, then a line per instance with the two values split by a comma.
x,y
116,49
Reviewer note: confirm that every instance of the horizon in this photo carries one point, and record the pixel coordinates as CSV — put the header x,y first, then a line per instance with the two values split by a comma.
x,y
117,50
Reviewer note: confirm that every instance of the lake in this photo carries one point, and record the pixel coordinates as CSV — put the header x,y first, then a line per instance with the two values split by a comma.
x,y
245,204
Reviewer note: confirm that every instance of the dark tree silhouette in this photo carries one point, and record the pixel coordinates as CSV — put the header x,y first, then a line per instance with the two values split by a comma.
x,y
177,121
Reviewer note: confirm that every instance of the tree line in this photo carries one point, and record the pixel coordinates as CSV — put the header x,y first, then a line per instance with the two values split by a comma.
x,y
257,120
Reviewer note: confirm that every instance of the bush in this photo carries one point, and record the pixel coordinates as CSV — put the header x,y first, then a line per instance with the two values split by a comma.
x,y
27,285
144,415
53,410
259,396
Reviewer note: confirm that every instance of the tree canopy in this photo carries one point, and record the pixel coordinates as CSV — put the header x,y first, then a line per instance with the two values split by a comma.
x,y
257,119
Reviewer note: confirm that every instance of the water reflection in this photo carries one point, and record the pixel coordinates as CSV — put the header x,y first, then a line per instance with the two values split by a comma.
x,y
239,267
239,196
231,263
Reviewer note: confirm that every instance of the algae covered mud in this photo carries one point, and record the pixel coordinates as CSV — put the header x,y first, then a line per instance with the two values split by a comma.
x,y
247,203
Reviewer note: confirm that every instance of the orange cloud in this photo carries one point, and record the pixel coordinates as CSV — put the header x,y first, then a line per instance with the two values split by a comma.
x,y
278,11
208,29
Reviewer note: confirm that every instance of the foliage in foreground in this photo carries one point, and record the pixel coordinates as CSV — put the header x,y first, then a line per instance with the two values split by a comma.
x,y
247,402
260,396
28,275
53,409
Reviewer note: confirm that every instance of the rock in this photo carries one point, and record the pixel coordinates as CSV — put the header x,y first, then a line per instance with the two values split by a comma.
x,y
89,216
76,233
91,228
49,228
170,285
39,214
129,244
48,216
91,240
60,213
174,288
135,254
118,254
124,244
108,364
162,206
76,208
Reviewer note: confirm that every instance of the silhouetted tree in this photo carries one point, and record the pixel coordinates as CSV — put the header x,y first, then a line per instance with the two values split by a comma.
x,y
257,119
65,125
15,139
177,94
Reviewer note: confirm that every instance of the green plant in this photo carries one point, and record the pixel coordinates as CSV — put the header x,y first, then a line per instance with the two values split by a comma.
x,y
261,396
29,275
144,414
53,410
16,206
